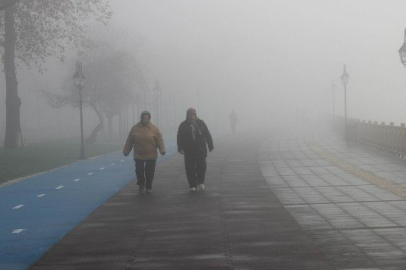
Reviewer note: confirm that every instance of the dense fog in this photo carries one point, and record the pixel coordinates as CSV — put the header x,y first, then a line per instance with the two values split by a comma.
x,y
266,60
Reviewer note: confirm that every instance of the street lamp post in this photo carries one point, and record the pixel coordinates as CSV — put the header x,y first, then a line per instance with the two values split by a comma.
x,y
79,80
344,80
333,91
158,91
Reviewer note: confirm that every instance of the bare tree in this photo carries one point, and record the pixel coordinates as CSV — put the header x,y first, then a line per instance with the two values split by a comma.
x,y
33,30
110,83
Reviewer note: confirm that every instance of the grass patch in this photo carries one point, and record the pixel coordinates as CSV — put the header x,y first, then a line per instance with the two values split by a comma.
x,y
44,156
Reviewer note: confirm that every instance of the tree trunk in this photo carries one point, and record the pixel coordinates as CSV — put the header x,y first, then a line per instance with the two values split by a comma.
x,y
13,102
92,138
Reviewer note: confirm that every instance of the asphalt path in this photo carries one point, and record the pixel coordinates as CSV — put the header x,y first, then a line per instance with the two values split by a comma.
x,y
235,223
39,211
278,199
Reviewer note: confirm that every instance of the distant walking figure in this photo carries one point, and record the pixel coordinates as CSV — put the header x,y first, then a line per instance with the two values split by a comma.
x,y
193,139
233,121
145,138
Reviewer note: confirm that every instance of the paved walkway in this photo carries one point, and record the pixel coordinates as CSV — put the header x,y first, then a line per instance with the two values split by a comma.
x,y
281,200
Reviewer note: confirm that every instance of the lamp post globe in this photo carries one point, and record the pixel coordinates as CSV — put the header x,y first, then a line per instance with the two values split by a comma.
x,y
79,81
345,76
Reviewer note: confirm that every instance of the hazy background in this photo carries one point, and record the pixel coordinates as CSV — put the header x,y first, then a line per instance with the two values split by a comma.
x,y
263,58
272,56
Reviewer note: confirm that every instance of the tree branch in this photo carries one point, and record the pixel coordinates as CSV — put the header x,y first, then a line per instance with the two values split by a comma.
x,y
57,101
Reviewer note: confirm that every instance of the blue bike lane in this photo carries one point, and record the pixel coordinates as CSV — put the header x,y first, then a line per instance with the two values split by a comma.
x,y
38,211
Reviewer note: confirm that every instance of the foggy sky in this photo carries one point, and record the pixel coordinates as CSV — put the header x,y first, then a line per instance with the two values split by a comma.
x,y
276,55
263,58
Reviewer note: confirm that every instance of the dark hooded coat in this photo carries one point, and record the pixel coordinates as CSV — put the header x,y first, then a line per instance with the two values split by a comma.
x,y
194,147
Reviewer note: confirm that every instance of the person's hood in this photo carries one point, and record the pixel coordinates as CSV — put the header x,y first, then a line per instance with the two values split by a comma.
x,y
191,111
144,113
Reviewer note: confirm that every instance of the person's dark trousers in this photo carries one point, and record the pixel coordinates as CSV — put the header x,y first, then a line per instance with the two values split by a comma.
x,y
145,170
195,170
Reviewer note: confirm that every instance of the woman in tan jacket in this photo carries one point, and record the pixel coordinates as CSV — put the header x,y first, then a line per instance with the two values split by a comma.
x,y
145,138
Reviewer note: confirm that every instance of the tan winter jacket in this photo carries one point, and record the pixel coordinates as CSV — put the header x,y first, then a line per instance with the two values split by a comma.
x,y
145,140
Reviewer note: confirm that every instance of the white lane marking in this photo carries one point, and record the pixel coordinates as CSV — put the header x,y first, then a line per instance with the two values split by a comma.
x,y
122,160
18,230
18,206
41,195
90,173
59,187
102,168
76,180
112,164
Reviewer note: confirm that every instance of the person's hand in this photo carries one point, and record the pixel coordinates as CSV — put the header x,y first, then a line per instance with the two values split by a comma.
x,y
125,154
181,151
211,149
163,153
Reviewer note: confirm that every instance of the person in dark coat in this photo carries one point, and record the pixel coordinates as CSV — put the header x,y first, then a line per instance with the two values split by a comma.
x,y
193,139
